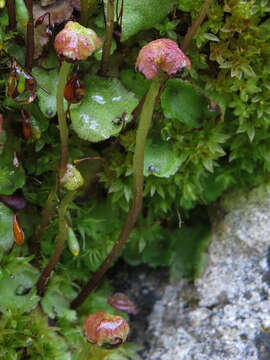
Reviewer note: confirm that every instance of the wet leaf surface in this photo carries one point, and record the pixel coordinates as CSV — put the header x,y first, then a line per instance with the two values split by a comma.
x,y
106,102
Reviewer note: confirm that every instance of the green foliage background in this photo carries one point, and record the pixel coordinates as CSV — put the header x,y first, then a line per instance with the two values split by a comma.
x,y
210,133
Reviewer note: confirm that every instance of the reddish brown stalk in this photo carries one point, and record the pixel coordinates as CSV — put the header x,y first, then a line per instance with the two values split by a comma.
x,y
30,46
62,234
11,14
195,26
105,61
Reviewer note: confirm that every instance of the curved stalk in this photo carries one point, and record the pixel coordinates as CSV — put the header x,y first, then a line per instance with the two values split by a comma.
x,y
138,166
63,74
195,26
62,234
49,208
108,39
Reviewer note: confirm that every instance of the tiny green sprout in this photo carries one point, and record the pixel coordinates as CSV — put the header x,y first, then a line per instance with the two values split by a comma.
x,y
72,241
72,179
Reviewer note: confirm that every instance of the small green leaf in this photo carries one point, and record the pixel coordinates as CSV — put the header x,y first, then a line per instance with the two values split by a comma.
x,y
211,37
19,276
6,230
103,110
134,81
48,80
57,299
142,15
11,177
181,101
3,138
160,160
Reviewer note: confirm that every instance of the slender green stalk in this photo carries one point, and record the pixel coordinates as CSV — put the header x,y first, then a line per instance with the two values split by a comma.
x,y
84,12
144,125
138,166
50,205
61,238
197,23
105,61
11,7
47,213
63,74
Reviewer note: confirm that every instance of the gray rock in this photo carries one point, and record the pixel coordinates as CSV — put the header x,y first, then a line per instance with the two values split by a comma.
x,y
226,313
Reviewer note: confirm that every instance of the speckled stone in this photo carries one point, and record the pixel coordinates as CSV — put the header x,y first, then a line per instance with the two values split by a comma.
x,y
226,313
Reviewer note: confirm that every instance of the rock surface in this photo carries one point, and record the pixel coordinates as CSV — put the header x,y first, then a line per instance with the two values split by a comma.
x,y
226,313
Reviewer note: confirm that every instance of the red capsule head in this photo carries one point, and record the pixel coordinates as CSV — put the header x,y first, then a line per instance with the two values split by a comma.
x,y
17,231
106,330
161,54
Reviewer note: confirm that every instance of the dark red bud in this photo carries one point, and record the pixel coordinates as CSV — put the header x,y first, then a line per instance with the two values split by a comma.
x,y
121,302
40,20
15,202
74,90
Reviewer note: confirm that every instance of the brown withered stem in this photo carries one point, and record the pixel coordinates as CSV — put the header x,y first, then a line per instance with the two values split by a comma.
x,y
108,39
61,238
138,167
195,26
30,46
11,14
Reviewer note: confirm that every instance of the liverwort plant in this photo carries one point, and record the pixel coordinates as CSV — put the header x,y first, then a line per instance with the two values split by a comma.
x,y
73,43
155,61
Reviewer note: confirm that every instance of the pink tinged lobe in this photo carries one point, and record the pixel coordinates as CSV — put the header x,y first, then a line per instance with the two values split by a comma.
x,y
76,42
162,54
